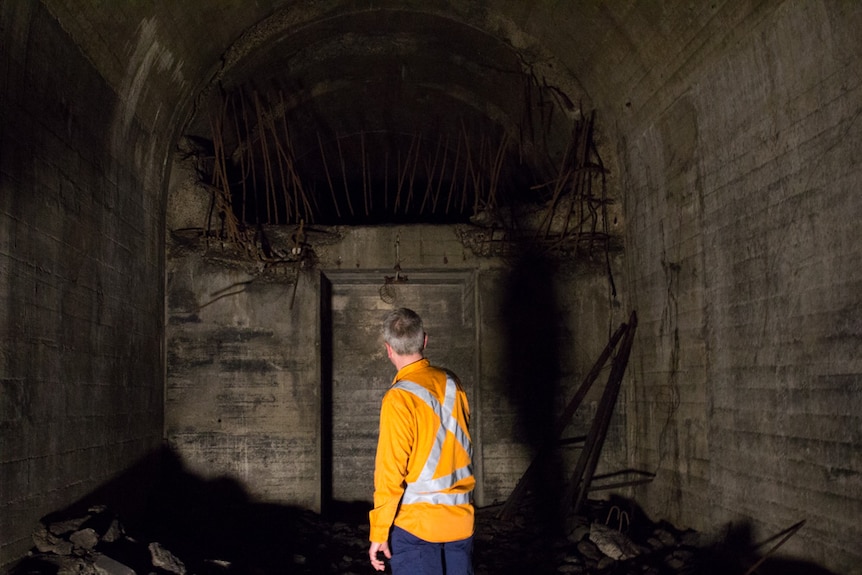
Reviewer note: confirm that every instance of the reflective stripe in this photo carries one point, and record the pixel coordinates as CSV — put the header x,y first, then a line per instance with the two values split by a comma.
x,y
437,498
444,482
426,489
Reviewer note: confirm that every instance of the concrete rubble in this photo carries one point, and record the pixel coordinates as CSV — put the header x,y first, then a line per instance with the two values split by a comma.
x,y
95,543
604,540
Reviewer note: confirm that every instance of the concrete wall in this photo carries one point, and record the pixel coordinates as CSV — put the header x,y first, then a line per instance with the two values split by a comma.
x,y
279,391
81,293
741,162
243,394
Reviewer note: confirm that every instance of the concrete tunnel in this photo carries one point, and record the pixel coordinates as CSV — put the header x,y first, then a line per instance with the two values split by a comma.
x,y
207,207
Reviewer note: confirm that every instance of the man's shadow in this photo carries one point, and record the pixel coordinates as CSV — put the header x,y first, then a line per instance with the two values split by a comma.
x,y
531,371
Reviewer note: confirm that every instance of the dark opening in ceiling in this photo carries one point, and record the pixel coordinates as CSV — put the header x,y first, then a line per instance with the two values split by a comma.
x,y
405,118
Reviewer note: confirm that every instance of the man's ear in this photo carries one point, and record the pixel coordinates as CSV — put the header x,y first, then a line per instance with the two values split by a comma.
x,y
425,343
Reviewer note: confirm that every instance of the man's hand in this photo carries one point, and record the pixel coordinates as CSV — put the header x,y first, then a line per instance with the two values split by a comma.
x,y
372,554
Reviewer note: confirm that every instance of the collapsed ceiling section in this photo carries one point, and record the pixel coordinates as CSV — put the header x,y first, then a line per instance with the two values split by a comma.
x,y
395,117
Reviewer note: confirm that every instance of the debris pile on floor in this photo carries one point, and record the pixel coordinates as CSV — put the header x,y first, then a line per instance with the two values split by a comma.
x,y
605,539
261,540
95,543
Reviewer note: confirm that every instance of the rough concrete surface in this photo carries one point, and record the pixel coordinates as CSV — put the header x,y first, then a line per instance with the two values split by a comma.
x,y
729,140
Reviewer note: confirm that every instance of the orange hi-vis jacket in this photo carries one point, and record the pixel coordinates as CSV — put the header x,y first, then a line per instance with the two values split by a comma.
x,y
423,474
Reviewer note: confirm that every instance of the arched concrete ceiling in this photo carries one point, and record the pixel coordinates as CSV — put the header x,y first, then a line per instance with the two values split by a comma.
x,y
596,53
515,70
393,87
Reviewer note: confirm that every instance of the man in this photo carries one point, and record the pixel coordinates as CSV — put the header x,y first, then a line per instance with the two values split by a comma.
x,y
423,515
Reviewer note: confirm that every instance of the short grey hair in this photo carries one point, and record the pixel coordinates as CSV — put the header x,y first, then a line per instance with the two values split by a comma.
x,y
403,331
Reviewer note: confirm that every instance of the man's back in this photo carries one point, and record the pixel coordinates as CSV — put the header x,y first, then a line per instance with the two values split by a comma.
x,y
423,514
425,443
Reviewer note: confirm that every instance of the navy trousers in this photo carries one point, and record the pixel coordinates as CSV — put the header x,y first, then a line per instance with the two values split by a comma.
x,y
414,556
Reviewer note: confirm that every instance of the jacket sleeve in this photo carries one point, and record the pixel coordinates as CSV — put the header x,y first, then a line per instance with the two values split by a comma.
x,y
394,447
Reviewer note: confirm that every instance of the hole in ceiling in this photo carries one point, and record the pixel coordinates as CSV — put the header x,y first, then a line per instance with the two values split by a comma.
x,y
270,167
406,119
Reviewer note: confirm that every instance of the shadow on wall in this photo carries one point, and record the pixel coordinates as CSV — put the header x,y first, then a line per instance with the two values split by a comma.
x,y
215,519
212,526
531,370
738,552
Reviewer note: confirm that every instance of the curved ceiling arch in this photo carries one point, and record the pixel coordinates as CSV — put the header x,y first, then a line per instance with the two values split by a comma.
x,y
487,27
359,95
304,50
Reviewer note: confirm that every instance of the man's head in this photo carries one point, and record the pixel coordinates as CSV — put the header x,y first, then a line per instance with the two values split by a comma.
x,y
403,332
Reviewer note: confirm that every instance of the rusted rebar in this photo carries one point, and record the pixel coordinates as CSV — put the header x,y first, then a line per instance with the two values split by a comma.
x,y
328,177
